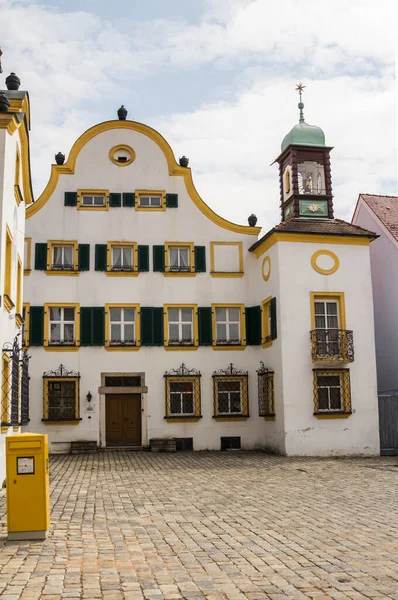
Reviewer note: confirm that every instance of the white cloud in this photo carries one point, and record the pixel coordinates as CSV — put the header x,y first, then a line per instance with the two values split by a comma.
x,y
78,66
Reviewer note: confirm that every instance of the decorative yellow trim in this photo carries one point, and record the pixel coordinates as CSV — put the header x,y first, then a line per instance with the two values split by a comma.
x,y
4,429
18,194
16,428
166,327
8,303
46,380
160,193
242,324
18,320
309,239
21,105
26,306
119,148
8,270
269,418
50,247
191,248
63,273
287,181
9,122
266,273
109,271
332,416
17,179
74,422
28,256
62,348
215,273
5,387
173,167
227,275
331,255
230,419
182,420
108,345
81,193
265,330
338,296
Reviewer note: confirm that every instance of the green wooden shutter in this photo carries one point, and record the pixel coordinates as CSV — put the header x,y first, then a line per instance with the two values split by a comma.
x,y
85,326
41,257
253,325
172,200
115,200
129,199
84,257
100,257
158,258
143,258
98,326
70,199
205,326
200,259
36,325
273,319
152,326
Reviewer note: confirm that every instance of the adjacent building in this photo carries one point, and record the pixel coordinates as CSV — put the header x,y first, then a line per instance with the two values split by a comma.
x,y
150,316
15,194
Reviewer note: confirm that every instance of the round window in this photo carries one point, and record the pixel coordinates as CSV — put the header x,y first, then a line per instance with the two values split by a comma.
x,y
122,155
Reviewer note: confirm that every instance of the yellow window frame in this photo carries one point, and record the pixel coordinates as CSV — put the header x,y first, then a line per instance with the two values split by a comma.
x,y
243,379
26,323
265,329
87,192
18,309
17,179
28,256
109,271
196,416
108,345
50,248
215,273
8,303
338,297
191,248
120,148
242,327
161,193
345,384
61,348
181,348
5,388
77,418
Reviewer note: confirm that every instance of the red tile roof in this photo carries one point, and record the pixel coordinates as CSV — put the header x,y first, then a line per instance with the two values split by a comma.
x,y
386,210
318,227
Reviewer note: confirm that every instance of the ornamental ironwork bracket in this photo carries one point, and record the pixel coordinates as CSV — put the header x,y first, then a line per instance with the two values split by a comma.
x,y
182,371
62,371
263,370
230,370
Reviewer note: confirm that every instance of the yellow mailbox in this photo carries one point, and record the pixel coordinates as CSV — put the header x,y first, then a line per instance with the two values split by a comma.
x,y
28,500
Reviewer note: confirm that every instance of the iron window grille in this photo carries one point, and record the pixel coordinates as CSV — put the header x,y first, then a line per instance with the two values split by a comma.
x,y
332,391
332,344
182,393
14,385
61,395
230,392
266,398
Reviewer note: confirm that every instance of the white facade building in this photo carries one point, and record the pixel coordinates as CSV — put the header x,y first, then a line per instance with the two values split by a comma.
x,y
15,194
150,316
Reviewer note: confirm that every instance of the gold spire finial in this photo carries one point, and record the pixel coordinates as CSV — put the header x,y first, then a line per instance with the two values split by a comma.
x,y
300,89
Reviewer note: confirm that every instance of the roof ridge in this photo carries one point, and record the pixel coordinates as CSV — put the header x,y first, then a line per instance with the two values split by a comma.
x,y
378,195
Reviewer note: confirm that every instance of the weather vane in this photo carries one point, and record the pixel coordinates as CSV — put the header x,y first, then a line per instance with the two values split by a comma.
x,y
300,89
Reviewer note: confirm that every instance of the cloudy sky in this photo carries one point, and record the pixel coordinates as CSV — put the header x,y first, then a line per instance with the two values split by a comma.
x,y
216,78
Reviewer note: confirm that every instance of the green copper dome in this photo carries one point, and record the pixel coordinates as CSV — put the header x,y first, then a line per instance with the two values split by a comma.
x,y
304,134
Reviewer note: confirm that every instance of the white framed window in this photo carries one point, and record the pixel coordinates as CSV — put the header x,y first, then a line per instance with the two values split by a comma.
x,y
122,258
122,330
62,325
180,326
327,320
181,395
62,257
93,200
179,258
228,321
150,200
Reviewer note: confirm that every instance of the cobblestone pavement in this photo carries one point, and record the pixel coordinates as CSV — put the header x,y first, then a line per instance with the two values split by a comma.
x,y
209,525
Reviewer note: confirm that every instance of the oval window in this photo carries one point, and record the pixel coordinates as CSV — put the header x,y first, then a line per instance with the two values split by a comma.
x,y
122,155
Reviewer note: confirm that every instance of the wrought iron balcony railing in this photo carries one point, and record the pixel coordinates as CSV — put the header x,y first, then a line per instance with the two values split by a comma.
x,y
332,345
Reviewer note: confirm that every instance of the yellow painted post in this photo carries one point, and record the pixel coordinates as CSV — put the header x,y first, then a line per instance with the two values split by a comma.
x,y
27,477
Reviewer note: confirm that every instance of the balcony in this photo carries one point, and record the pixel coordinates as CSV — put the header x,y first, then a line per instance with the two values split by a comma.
x,y
332,345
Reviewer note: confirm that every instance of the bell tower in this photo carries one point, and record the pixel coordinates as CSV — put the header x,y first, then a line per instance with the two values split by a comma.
x,y
304,171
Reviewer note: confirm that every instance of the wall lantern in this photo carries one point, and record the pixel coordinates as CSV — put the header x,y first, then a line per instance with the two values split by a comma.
x,y
89,396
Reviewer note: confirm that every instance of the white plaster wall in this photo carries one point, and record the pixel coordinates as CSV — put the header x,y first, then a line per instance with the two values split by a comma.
x,y
14,217
384,263
185,223
305,434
